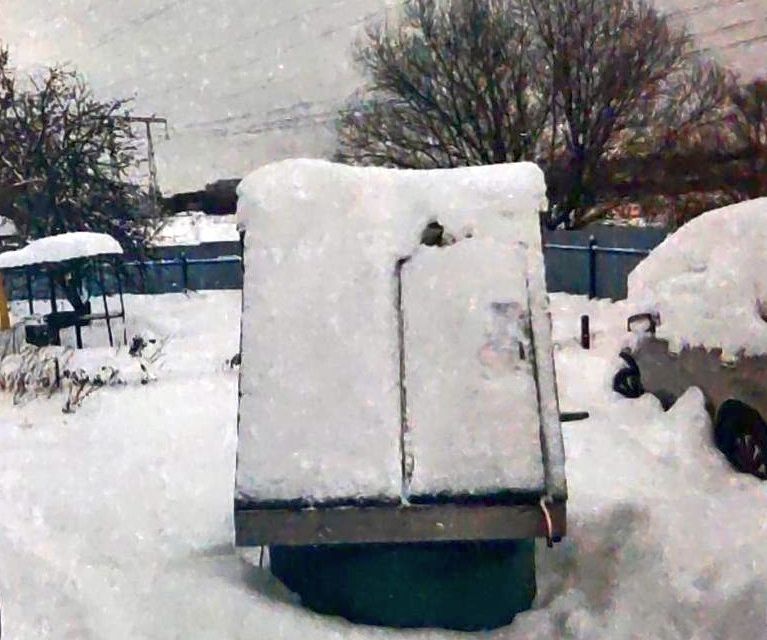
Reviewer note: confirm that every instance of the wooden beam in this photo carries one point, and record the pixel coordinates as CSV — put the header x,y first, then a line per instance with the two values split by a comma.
x,y
5,318
395,524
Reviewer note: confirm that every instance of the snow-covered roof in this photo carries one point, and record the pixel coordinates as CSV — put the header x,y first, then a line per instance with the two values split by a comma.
x,y
58,248
7,227
708,281
195,228
321,406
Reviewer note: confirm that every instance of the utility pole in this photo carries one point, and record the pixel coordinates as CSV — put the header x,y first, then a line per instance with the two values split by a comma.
x,y
148,121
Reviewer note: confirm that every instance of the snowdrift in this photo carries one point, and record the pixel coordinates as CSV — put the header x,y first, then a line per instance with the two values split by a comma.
x,y
708,281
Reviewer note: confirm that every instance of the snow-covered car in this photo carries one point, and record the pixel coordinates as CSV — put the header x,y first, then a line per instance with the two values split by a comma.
x,y
700,303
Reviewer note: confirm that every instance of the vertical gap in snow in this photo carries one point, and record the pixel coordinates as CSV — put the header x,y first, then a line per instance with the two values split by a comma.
x,y
406,461
534,365
239,376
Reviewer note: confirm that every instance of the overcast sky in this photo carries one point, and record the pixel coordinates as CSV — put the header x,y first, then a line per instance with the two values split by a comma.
x,y
243,82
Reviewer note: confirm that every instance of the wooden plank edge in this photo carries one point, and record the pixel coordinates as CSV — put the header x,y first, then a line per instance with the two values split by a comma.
x,y
400,524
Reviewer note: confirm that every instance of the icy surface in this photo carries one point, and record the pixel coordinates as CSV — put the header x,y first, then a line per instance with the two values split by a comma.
x,y
320,413
708,280
116,521
472,408
65,246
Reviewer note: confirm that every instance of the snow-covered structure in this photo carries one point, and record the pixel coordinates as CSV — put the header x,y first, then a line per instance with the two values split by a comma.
x,y
377,370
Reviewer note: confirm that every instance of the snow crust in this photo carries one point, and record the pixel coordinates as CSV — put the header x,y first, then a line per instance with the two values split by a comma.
x,y
320,414
65,246
472,407
708,281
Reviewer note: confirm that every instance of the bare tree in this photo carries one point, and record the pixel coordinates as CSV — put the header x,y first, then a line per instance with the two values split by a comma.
x,y
620,76
572,84
748,122
452,83
70,157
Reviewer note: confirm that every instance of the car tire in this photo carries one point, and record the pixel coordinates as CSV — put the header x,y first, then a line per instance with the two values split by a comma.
x,y
740,433
628,380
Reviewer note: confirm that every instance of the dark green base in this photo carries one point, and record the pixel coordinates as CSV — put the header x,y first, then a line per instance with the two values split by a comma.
x,y
465,586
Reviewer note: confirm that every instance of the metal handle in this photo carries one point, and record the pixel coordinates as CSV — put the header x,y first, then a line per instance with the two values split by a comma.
x,y
653,318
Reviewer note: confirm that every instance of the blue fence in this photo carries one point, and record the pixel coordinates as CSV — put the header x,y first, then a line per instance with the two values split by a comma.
x,y
596,261
584,263
593,270
168,275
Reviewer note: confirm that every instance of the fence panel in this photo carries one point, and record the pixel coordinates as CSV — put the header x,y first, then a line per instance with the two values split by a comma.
x,y
575,263
567,269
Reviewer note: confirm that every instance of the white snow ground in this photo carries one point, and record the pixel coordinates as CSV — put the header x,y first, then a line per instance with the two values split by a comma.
x,y
115,522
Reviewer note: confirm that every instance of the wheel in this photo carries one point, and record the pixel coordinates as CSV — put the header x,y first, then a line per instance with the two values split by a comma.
x,y
740,434
628,380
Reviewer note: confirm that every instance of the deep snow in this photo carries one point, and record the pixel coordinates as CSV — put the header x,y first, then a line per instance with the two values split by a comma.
x,y
116,521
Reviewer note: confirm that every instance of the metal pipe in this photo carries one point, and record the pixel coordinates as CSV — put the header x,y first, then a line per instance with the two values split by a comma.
x,y
56,334
585,332
592,267
122,302
184,272
100,273
598,249
30,294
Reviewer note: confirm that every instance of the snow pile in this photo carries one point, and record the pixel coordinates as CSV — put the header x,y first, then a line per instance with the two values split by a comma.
x,y
709,281
472,406
194,228
320,413
663,541
65,246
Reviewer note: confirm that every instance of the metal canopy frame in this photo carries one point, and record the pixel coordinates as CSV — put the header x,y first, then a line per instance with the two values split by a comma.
x,y
78,320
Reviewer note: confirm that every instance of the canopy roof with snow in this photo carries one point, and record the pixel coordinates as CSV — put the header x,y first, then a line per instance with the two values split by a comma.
x,y
376,368
58,248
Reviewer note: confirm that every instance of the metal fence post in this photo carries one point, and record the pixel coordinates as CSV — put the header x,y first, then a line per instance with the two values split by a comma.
x,y
28,275
585,332
184,272
592,267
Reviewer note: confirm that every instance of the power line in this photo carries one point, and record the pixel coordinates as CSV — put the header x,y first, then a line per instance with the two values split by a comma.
x,y
148,121
229,43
